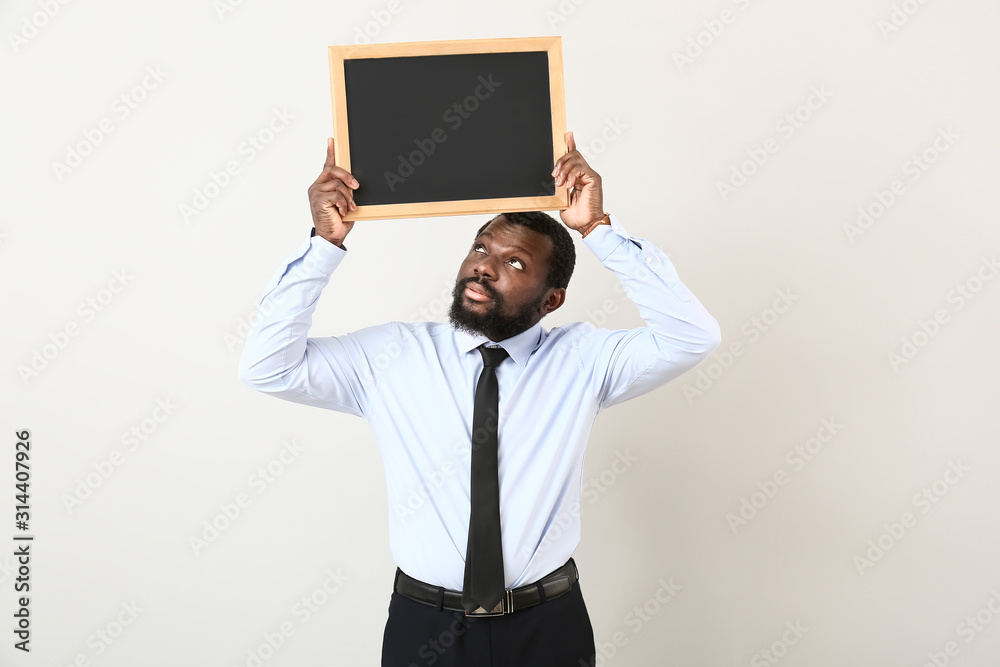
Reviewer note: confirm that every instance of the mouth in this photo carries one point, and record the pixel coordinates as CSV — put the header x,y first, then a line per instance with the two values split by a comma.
x,y
476,292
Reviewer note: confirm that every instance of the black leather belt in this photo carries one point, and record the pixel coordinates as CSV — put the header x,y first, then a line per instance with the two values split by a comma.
x,y
548,587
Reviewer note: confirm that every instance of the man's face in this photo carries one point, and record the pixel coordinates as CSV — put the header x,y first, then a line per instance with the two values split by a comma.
x,y
501,290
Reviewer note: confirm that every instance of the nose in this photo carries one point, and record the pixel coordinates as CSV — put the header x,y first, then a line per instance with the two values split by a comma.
x,y
484,267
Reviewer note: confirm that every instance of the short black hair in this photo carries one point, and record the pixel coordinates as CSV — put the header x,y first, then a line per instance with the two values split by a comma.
x,y
563,251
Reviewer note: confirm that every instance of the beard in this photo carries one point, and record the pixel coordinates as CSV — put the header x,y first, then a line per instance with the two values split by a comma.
x,y
492,323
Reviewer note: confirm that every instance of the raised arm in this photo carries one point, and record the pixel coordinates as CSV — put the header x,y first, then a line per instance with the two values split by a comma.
x,y
679,331
278,358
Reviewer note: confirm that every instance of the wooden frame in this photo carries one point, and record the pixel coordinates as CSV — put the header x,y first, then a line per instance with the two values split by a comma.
x,y
552,46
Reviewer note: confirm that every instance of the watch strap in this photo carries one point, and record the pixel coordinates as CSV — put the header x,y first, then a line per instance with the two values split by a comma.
x,y
606,220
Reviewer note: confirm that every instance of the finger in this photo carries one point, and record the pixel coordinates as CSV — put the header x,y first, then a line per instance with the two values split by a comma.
x,y
577,175
320,193
338,202
331,158
344,176
564,167
332,171
342,209
570,147
332,175
326,182
346,197
333,186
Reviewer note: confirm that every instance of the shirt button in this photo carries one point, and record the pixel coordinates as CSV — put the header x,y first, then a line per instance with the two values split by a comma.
x,y
649,260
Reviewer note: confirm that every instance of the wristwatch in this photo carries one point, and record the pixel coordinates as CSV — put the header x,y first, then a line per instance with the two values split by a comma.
x,y
606,220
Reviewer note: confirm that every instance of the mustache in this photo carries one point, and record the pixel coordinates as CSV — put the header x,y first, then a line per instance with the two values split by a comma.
x,y
486,287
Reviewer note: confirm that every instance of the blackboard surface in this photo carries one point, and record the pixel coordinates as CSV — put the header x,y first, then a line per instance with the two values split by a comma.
x,y
450,127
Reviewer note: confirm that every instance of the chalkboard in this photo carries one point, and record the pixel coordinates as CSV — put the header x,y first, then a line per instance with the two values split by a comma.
x,y
450,127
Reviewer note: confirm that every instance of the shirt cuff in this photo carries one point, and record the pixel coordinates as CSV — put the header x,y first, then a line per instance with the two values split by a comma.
x,y
316,255
603,239
314,235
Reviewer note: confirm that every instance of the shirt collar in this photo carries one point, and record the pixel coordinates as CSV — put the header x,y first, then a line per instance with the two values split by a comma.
x,y
519,347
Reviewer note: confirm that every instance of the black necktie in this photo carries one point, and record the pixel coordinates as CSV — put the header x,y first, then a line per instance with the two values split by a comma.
x,y
484,580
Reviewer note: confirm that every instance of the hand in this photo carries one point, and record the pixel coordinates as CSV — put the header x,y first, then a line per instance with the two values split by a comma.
x,y
331,197
586,199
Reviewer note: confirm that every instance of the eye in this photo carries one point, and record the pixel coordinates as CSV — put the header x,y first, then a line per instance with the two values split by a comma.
x,y
478,246
519,263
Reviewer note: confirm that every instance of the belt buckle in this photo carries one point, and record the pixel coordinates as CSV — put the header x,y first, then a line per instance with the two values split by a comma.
x,y
504,608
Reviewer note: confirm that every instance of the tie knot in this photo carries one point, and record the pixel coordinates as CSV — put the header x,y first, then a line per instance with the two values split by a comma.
x,y
492,356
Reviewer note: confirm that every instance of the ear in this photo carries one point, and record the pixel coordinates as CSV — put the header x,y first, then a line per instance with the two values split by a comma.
x,y
553,299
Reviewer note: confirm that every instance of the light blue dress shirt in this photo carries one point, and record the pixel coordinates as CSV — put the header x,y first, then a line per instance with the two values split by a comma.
x,y
415,384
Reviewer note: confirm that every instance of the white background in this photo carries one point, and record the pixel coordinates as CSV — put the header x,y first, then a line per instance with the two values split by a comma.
x,y
673,130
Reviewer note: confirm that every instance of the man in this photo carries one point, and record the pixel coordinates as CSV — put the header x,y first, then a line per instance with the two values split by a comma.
x,y
494,439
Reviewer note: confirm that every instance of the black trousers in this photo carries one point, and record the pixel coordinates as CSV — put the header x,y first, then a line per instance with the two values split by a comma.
x,y
555,633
